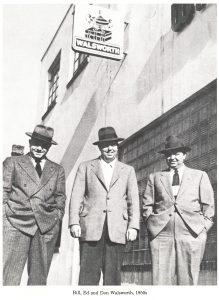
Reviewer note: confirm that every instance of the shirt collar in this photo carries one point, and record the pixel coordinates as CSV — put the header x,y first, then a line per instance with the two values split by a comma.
x,y
42,160
180,170
111,164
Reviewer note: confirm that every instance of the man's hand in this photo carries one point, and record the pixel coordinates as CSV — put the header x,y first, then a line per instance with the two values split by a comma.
x,y
131,234
75,230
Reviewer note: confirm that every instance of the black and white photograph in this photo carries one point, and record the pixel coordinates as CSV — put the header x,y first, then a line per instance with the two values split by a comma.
x,y
109,129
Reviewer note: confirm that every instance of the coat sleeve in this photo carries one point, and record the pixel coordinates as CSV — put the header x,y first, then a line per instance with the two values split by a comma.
x,y
8,174
207,200
60,195
77,195
148,198
133,201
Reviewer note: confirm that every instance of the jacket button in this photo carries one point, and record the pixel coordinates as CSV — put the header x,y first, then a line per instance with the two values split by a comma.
x,y
25,185
170,215
104,210
107,198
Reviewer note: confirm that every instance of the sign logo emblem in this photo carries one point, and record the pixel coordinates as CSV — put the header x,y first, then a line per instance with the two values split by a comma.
x,y
100,28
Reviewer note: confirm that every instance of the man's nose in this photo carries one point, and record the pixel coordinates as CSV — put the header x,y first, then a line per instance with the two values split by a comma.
x,y
172,156
39,147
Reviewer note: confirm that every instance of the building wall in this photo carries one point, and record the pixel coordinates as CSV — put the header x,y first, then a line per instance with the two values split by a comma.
x,y
194,120
162,68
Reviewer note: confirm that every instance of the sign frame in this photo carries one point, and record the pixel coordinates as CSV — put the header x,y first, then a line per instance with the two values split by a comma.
x,y
98,31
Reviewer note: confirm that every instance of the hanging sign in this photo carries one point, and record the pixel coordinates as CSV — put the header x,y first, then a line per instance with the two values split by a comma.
x,y
98,31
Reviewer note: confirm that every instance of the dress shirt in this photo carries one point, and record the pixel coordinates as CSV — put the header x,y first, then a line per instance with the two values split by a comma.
x,y
175,189
107,169
42,162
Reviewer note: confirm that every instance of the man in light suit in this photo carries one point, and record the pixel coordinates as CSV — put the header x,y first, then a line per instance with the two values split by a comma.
x,y
34,202
178,208
104,212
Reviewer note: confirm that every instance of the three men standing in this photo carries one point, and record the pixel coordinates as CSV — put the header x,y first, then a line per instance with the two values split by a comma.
x,y
104,212
178,208
34,204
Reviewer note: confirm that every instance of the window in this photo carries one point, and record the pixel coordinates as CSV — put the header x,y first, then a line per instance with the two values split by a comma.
x,y
80,60
53,80
53,84
181,15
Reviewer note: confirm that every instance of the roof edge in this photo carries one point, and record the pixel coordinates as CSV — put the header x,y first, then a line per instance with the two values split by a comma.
x,y
56,32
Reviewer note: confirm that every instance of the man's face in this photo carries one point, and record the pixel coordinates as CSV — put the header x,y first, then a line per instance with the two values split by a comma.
x,y
38,149
108,150
175,159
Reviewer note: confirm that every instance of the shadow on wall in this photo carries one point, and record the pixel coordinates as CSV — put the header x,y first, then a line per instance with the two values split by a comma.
x,y
80,135
90,115
74,85
172,52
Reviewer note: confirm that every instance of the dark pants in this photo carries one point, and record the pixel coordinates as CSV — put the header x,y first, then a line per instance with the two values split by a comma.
x,y
18,247
101,255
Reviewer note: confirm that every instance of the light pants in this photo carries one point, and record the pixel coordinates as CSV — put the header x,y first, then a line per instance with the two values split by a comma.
x,y
177,254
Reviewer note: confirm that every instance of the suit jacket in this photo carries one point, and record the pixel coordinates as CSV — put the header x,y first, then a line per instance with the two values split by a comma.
x,y
91,201
194,202
31,202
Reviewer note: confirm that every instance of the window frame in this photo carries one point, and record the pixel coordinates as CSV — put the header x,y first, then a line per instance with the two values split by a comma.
x,y
82,63
53,84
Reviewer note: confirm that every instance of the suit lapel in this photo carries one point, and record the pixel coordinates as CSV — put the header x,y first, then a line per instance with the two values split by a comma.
x,y
28,167
47,173
116,172
96,168
164,177
186,181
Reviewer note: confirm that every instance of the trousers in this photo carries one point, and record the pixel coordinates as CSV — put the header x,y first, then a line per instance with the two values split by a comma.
x,y
19,247
102,255
176,254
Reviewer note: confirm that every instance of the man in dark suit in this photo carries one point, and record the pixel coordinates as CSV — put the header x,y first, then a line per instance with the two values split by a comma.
x,y
104,212
34,203
178,208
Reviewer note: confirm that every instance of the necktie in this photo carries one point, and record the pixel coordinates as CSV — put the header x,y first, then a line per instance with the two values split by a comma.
x,y
175,178
38,167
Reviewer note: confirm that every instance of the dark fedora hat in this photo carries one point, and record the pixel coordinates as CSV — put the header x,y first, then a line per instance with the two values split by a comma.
x,y
43,133
174,143
107,134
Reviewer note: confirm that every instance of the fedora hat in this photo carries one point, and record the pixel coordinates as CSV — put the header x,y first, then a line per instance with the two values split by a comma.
x,y
107,134
43,134
174,143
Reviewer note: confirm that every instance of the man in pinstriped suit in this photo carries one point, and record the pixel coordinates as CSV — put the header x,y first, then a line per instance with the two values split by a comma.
x,y
34,202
